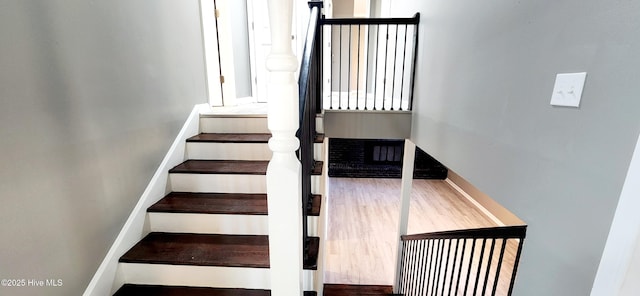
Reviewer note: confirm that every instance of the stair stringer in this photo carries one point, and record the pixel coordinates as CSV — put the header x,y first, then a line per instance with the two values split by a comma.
x,y
104,281
318,225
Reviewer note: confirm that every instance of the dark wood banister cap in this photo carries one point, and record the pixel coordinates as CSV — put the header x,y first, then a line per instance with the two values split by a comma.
x,y
505,232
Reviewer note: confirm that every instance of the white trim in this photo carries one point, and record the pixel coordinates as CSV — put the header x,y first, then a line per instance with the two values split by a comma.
x,y
623,236
226,53
252,50
210,51
134,228
475,203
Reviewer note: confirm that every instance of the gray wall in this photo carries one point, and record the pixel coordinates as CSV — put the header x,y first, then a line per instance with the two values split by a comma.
x,y
484,82
91,95
240,42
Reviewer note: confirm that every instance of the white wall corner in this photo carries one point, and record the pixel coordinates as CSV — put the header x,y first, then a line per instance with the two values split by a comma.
x,y
105,280
623,236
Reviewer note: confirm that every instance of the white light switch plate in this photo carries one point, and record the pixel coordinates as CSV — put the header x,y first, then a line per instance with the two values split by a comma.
x,y
567,90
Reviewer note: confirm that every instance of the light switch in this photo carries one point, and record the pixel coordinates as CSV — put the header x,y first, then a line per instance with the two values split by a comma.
x,y
567,90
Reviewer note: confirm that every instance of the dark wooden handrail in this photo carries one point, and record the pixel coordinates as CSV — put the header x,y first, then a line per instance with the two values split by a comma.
x,y
307,57
308,91
490,232
374,21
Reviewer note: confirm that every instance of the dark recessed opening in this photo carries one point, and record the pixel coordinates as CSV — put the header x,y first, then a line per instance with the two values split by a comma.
x,y
367,158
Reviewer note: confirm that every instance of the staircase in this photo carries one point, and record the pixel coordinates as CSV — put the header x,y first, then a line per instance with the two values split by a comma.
x,y
209,235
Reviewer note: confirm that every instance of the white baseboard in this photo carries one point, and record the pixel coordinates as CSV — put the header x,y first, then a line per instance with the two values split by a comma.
x,y
103,281
480,207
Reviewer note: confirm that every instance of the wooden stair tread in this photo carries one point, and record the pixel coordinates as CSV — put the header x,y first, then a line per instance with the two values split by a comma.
x,y
136,290
317,168
212,203
316,200
197,166
155,290
220,203
207,250
230,138
348,290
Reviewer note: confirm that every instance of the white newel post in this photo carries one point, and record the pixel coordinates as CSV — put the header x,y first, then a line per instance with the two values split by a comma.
x,y
284,173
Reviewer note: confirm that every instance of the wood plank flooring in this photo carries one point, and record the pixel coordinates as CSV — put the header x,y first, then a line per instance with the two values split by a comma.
x,y
363,221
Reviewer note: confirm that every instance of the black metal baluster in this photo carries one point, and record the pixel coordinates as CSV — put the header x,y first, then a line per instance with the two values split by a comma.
x,y
340,74
436,268
403,266
489,259
404,55
497,277
331,71
416,264
431,260
515,267
358,73
466,284
446,267
439,269
349,73
409,254
414,277
424,269
384,80
412,274
393,80
464,248
375,79
415,55
453,266
366,76
475,286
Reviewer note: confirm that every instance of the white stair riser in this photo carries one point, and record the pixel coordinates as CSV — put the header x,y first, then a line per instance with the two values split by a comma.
x,y
217,223
319,125
316,185
233,125
203,276
318,151
312,229
230,183
209,223
239,151
228,151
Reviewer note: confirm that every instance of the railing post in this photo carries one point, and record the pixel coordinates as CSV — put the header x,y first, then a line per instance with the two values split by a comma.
x,y
284,170
405,200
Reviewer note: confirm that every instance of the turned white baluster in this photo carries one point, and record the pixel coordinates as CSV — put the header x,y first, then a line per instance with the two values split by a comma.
x,y
284,172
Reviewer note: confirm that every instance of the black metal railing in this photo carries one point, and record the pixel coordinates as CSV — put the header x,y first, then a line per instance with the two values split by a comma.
x,y
373,63
309,89
462,262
